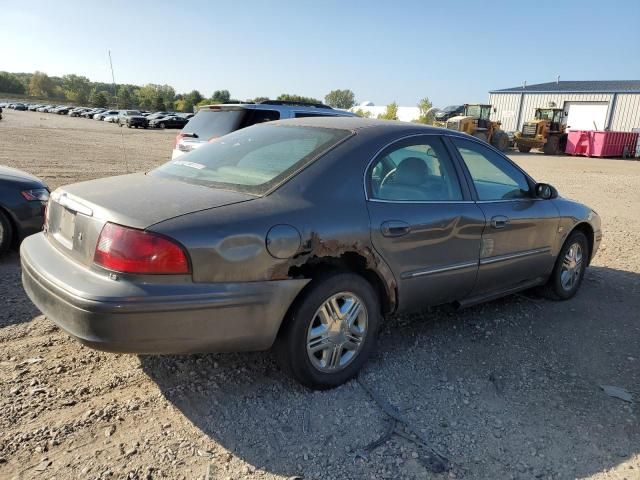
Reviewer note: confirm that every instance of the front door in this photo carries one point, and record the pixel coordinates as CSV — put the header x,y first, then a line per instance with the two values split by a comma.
x,y
520,228
423,221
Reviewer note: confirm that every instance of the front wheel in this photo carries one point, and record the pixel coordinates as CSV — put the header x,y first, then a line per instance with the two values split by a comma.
x,y
330,331
568,272
500,140
162,125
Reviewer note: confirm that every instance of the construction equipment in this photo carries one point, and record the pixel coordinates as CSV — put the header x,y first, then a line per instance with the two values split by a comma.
x,y
475,121
546,132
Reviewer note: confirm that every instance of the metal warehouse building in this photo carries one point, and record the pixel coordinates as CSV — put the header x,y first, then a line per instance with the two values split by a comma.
x,y
589,105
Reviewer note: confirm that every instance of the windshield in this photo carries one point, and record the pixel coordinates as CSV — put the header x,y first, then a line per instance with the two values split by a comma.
x,y
253,159
473,110
451,108
132,112
545,115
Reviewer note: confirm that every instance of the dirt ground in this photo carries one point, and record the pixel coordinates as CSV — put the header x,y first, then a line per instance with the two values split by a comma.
x,y
506,390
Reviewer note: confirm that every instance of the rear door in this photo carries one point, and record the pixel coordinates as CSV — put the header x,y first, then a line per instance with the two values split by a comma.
x,y
423,221
520,229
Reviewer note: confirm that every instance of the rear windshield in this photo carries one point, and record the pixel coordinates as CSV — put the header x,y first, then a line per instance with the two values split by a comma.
x,y
208,124
254,159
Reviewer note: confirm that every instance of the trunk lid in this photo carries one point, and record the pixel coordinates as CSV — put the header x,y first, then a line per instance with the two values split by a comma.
x,y
77,212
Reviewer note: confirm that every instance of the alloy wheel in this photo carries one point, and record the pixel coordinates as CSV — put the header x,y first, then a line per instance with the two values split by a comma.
x,y
337,332
571,267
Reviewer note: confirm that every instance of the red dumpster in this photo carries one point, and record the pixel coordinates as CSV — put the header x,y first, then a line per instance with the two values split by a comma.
x,y
597,143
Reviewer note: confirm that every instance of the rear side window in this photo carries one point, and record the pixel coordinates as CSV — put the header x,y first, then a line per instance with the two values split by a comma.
x,y
208,124
253,159
311,114
259,116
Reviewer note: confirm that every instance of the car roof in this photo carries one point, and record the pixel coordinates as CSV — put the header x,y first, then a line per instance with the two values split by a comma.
x,y
358,123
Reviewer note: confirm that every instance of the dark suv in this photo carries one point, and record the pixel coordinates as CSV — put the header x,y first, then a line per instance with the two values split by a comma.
x,y
132,118
213,121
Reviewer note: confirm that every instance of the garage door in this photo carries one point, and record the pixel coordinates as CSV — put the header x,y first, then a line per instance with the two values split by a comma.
x,y
586,115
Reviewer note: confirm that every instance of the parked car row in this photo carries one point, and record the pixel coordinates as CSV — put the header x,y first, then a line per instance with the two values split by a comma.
x,y
129,118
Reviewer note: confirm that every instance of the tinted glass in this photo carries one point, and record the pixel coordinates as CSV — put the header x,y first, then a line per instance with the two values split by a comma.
x,y
209,124
253,159
415,170
494,177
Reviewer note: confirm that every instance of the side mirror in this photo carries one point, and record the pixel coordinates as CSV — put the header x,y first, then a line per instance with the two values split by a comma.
x,y
545,191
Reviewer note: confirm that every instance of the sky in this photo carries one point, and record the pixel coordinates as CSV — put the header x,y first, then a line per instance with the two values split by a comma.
x,y
403,50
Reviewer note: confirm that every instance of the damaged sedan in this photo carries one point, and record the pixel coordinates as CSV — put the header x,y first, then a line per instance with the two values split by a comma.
x,y
302,236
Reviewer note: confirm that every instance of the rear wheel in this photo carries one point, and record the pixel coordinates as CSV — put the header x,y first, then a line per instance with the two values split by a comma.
x,y
481,136
500,140
330,331
6,232
552,146
162,125
524,148
568,272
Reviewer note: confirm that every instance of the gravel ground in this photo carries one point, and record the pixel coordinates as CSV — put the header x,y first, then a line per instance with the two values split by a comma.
x,y
509,389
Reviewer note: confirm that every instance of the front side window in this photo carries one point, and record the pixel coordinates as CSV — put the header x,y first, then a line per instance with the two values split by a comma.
x,y
494,177
253,159
414,170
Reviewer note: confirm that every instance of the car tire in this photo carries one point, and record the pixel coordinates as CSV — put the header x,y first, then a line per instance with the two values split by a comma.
x,y
568,272
6,232
306,346
162,125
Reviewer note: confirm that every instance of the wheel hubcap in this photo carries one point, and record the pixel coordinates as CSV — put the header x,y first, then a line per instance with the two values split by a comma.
x,y
336,333
571,266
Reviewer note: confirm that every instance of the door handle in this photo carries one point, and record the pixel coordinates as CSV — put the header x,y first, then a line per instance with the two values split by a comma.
x,y
499,221
394,228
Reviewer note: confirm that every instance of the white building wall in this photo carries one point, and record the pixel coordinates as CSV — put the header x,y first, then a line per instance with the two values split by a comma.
x,y
624,111
506,105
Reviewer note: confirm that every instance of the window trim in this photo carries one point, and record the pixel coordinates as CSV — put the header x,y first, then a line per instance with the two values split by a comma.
x,y
469,178
464,190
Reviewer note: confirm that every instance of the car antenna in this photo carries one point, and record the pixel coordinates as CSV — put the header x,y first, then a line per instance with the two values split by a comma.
x,y
115,95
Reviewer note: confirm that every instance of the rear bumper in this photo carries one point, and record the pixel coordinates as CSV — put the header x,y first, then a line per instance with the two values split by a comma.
x,y
138,317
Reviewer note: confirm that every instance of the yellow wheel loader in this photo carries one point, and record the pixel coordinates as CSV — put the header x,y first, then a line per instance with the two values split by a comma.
x,y
546,132
475,121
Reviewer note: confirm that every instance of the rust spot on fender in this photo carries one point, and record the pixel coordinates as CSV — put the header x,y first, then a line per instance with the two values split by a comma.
x,y
316,250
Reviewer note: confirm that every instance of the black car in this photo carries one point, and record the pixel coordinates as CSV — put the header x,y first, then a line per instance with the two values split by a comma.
x,y
19,106
132,118
170,121
23,198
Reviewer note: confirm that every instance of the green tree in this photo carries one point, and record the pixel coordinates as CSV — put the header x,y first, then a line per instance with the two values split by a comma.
x,y
287,97
159,104
10,83
362,113
98,99
260,99
76,88
189,100
426,116
220,96
41,85
125,98
147,96
340,99
391,113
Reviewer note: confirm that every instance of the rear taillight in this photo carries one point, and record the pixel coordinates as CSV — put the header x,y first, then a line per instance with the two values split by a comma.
x,y
177,139
129,250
